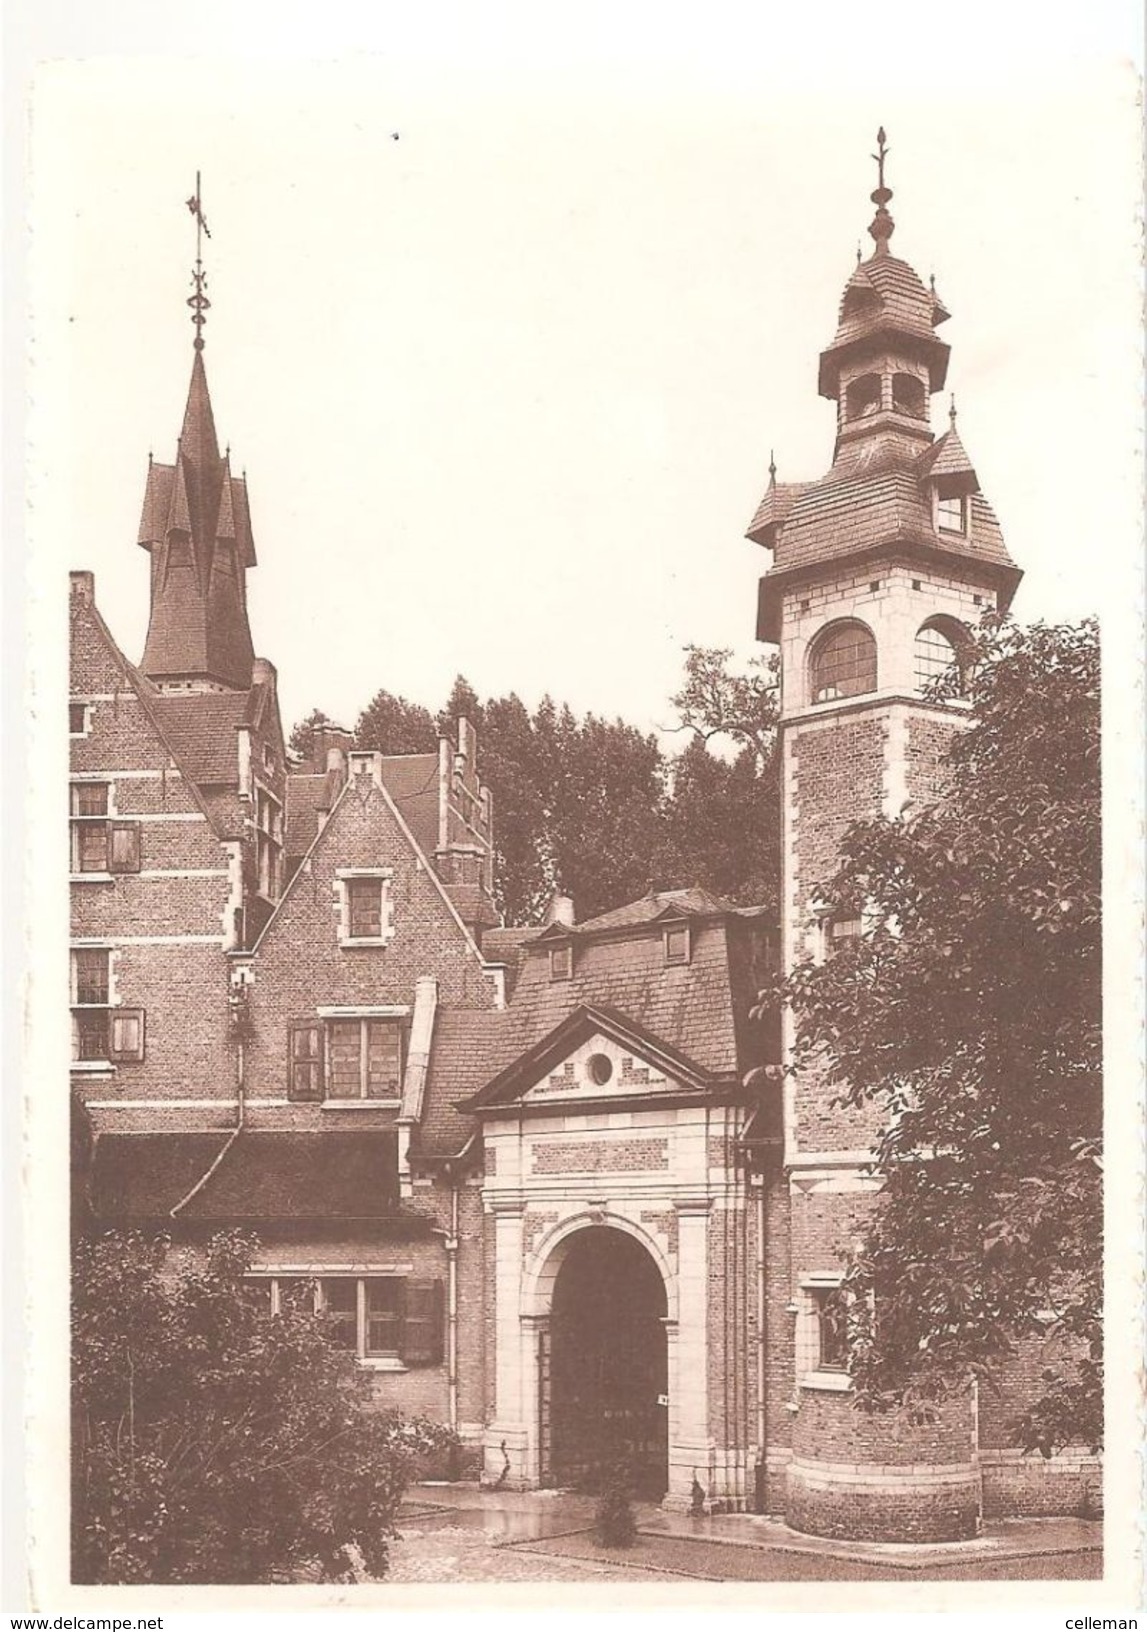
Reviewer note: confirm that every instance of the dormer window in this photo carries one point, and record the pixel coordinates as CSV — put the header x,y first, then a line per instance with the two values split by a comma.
x,y
561,962
678,944
952,514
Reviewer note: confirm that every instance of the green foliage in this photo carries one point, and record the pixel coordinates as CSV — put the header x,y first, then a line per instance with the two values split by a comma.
x,y
970,1011
213,1444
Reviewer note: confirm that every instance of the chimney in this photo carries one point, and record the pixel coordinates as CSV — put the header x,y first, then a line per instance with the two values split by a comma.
x,y
329,748
560,911
263,672
83,587
466,738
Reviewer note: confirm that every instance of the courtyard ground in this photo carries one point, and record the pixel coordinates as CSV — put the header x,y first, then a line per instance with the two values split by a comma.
x,y
461,1533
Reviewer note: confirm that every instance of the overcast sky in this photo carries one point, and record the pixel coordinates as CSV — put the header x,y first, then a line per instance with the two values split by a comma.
x,y
505,388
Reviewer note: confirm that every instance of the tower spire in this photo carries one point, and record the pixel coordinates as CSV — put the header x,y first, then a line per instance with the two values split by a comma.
x,y
883,225
198,300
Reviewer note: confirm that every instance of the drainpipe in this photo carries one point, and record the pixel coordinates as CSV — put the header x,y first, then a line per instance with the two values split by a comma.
x,y
241,1091
452,1307
762,1342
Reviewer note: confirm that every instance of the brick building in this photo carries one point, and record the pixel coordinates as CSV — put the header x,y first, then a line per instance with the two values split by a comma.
x,y
520,1168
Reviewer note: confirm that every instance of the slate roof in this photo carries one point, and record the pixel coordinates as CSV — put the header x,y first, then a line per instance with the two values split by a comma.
x,y
264,1178
946,457
774,508
508,946
201,725
307,794
412,782
897,298
469,1048
688,1006
198,623
657,904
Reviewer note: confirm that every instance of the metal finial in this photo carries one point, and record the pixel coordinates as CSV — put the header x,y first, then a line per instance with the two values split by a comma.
x,y
198,300
772,467
858,254
883,225
952,410
932,282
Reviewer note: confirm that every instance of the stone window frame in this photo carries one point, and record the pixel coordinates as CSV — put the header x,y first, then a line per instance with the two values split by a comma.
x,y
813,1292
419,1336
347,876
121,836
312,1055
680,928
124,1025
957,636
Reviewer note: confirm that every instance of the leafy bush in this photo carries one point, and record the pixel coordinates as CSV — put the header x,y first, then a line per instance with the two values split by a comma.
x,y
213,1444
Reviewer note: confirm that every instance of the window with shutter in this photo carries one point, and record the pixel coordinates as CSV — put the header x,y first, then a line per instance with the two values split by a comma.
x,y
305,1060
89,827
123,847
422,1324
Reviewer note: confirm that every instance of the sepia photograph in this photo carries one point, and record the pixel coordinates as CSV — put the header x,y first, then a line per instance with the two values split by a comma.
x,y
577,1055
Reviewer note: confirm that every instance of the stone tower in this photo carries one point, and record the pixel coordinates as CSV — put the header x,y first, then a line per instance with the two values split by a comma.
x,y
879,568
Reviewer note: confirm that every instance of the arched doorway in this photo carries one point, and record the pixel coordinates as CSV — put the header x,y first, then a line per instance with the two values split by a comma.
x,y
605,1375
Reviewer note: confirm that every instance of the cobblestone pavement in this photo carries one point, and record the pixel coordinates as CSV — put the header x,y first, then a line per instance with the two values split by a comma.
x,y
459,1534
439,1553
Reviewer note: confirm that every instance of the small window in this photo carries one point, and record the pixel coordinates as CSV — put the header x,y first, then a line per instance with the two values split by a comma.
x,y
838,932
951,514
89,827
77,719
561,962
832,1329
677,944
599,1068
364,908
843,663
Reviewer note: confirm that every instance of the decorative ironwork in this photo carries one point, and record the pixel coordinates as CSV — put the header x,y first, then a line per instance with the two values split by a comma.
x,y
883,225
198,300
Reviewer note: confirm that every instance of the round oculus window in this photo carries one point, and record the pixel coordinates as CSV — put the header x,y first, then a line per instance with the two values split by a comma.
x,y
600,1068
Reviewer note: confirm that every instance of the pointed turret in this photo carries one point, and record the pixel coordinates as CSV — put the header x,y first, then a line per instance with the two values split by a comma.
x,y
196,525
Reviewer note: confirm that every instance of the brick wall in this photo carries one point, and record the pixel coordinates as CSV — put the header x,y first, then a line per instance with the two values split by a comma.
x,y
300,966
180,983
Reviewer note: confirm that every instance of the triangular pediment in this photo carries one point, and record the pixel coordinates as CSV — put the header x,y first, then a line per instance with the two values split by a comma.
x,y
600,1067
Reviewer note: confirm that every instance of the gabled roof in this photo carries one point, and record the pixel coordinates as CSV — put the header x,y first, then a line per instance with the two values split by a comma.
x,y
946,457
148,696
575,1028
412,782
657,905
263,1178
773,509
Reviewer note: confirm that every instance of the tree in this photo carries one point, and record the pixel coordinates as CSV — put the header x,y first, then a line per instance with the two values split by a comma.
x,y
302,738
391,725
723,814
970,1011
212,1443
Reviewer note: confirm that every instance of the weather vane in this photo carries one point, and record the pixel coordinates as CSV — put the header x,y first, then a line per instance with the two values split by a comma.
x,y
883,225
198,300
